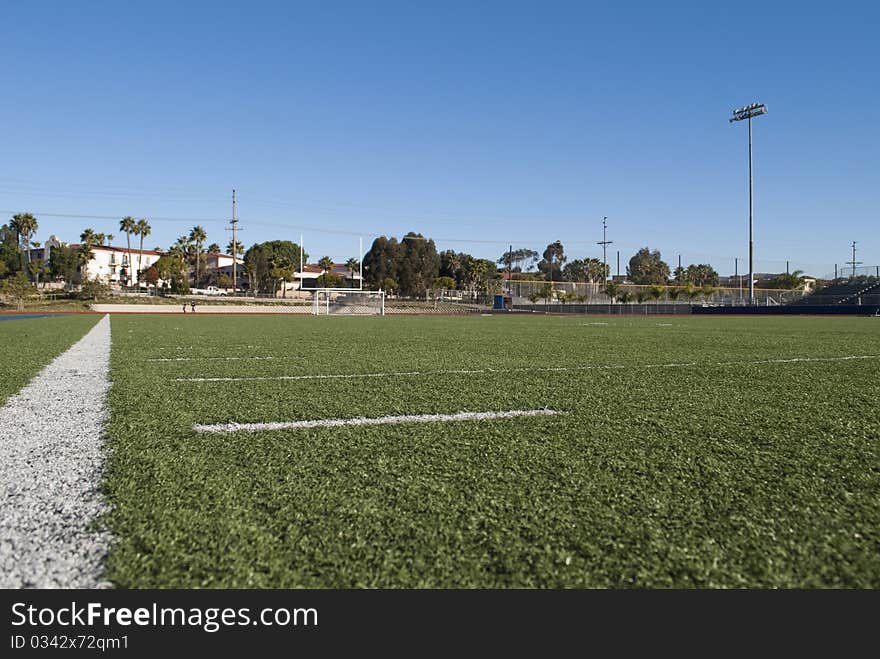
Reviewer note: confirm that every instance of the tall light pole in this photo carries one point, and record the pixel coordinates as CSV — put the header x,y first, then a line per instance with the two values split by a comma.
x,y
854,263
605,242
747,112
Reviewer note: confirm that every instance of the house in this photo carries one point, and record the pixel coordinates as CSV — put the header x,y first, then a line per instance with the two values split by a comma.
x,y
217,262
308,279
44,252
110,264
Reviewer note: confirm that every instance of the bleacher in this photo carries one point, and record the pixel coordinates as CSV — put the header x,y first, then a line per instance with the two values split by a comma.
x,y
863,290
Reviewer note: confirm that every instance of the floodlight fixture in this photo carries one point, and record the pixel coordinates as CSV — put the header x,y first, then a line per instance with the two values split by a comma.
x,y
746,113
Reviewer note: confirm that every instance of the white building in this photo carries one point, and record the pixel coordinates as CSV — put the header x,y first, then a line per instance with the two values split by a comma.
x,y
110,264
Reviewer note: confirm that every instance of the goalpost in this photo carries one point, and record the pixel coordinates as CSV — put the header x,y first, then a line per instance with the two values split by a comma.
x,y
347,302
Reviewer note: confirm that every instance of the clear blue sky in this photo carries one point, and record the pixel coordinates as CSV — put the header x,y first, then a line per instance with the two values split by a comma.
x,y
476,123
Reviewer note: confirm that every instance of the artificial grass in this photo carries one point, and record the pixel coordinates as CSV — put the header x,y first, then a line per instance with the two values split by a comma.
x,y
726,473
29,344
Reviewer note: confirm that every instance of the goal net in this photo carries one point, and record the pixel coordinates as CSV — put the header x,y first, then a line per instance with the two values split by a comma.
x,y
347,302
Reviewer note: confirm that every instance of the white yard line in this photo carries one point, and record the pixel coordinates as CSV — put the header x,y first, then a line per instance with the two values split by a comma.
x,y
549,369
369,421
50,472
199,359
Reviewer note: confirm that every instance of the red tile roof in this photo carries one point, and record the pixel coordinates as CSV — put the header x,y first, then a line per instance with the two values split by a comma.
x,y
109,248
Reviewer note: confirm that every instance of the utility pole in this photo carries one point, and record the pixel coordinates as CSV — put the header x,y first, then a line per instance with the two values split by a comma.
x,y
234,222
605,242
854,263
747,112
787,271
618,264
736,276
510,271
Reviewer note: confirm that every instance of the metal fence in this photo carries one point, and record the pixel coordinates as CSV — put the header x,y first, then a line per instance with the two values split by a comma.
x,y
586,293
607,309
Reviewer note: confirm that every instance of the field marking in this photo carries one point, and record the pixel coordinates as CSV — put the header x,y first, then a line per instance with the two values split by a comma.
x,y
547,369
368,421
200,359
51,462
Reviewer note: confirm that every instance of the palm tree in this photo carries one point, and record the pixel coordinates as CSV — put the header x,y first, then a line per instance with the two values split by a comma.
x,y
15,226
353,266
213,248
198,236
142,230
656,292
326,264
236,249
612,290
25,226
84,255
128,225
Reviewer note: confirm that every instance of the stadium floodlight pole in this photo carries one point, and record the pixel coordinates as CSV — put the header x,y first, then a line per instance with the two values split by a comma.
x,y
510,271
746,113
605,242
234,248
854,263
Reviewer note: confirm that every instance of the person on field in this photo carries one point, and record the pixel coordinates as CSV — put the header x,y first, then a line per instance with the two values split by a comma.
x,y
184,307
192,306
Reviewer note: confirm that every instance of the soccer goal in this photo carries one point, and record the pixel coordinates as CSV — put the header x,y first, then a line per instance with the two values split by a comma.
x,y
347,302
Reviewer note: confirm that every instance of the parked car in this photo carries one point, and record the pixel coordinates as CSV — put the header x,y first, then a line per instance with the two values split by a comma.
x,y
211,290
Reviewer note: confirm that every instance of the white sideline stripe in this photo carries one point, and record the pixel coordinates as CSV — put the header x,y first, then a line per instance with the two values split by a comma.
x,y
549,369
51,463
368,421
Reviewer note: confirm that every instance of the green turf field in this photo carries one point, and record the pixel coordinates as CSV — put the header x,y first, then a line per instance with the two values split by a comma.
x,y
686,452
28,344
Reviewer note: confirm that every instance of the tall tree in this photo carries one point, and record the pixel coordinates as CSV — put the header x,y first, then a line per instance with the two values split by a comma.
x,y
551,263
26,225
10,247
381,262
213,248
516,258
63,261
260,258
353,265
326,264
700,274
419,264
88,239
234,249
281,270
584,270
450,265
143,230
127,225
647,267
197,236
788,281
